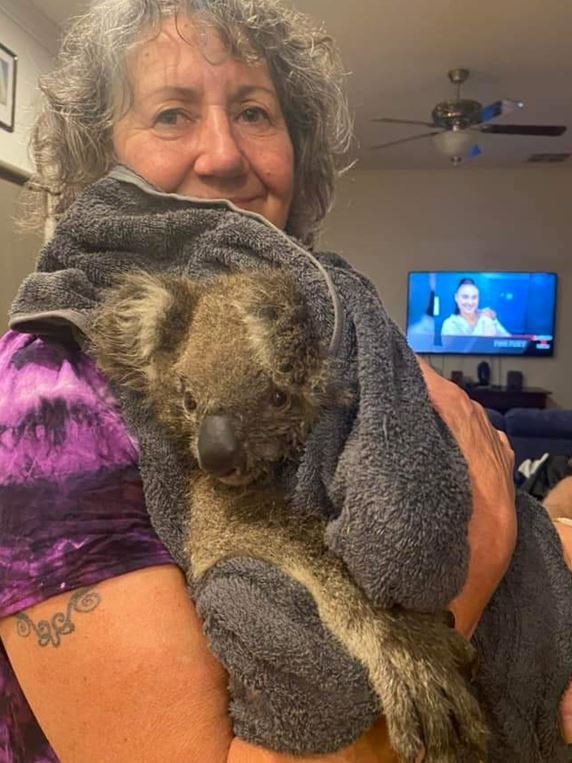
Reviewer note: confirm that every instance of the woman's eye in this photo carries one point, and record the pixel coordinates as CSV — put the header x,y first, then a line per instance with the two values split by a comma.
x,y
171,118
189,403
254,115
279,399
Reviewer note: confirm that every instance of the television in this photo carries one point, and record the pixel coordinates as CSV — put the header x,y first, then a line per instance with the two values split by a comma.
x,y
476,313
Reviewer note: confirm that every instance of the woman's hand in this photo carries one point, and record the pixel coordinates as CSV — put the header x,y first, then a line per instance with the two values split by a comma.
x,y
492,527
558,501
565,533
488,313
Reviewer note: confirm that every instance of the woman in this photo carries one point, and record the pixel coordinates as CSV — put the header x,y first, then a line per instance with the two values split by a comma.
x,y
467,319
242,102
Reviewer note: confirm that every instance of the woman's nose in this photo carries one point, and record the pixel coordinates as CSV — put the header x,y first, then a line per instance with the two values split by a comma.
x,y
218,151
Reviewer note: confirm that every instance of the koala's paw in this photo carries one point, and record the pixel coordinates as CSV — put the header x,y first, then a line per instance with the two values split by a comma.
x,y
428,705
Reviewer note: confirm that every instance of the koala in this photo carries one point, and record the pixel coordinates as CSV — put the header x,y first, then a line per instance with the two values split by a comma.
x,y
234,370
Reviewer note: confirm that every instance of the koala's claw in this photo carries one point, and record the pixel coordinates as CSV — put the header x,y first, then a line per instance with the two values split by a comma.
x,y
430,708
446,731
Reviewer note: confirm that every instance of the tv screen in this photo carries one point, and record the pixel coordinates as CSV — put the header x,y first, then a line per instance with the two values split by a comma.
x,y
475,313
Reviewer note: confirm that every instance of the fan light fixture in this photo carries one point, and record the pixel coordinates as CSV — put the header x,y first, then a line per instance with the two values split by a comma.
x,y
458,125
454,143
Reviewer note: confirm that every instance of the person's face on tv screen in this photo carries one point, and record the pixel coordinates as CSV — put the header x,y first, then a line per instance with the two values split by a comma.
x,y
467,299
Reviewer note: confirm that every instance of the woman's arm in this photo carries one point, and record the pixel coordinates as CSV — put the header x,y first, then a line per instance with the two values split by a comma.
x,y
133,682
372,747
492,527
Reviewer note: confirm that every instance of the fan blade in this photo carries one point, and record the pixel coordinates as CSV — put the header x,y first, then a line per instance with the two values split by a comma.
x,y
499,109
388,120
405,140
546,130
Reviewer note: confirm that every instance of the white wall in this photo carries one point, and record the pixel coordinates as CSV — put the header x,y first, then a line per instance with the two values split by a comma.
x,y
390,222
18,250
33,38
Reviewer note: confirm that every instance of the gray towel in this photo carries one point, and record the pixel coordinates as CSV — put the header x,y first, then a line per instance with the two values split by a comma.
x,y
389,479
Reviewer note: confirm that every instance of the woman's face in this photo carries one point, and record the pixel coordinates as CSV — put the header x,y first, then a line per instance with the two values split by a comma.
x,y
467,299
203,124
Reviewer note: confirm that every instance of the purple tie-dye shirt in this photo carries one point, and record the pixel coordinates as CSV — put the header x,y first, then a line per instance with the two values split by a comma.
x,y
71,504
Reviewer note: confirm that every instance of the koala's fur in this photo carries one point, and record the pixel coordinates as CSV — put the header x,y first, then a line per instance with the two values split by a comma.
x,y
242,348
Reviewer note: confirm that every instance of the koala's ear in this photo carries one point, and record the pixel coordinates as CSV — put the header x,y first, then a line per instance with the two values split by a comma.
x,y
140,322
283,336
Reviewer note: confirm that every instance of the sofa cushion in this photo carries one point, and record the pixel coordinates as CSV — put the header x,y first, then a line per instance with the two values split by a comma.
x,y
535,447
535,423
497,419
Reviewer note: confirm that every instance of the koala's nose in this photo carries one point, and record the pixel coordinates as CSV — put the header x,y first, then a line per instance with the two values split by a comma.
x,y
220,452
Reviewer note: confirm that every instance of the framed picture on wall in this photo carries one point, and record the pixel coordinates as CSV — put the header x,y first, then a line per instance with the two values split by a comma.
x,y
8,67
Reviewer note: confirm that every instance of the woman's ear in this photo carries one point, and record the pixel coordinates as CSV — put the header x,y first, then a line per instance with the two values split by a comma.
x,y
141,320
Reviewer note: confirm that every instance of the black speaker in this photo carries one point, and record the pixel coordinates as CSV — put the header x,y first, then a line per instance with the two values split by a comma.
x,y
484,373
514,381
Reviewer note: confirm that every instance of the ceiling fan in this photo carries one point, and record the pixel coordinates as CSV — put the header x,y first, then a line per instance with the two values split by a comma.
x,y
456,123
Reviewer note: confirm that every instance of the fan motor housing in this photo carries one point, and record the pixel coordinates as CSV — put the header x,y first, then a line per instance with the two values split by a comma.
x,y
462,114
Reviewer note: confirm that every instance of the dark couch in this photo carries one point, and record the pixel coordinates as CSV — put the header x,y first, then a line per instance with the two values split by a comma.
x,y
533,432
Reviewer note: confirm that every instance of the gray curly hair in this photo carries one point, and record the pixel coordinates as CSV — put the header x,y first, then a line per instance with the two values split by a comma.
x,y
71,143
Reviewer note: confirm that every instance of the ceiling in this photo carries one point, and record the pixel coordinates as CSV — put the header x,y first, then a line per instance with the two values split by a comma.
x,y
398,53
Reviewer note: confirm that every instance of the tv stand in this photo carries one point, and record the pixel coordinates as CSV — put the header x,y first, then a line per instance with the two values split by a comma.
x,y
502,399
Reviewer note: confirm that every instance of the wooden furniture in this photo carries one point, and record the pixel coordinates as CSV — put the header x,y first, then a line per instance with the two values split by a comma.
x,y
502,399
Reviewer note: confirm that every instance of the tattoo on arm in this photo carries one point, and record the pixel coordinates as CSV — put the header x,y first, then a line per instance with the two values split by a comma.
x,y
50,632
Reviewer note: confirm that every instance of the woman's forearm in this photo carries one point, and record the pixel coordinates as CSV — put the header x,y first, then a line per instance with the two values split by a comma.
x,y
372,747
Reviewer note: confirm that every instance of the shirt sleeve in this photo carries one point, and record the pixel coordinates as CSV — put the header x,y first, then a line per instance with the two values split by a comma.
x,y
448,327
72,511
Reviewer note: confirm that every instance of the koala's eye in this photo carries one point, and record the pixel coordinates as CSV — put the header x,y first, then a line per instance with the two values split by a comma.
x,y
279,399
189,402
